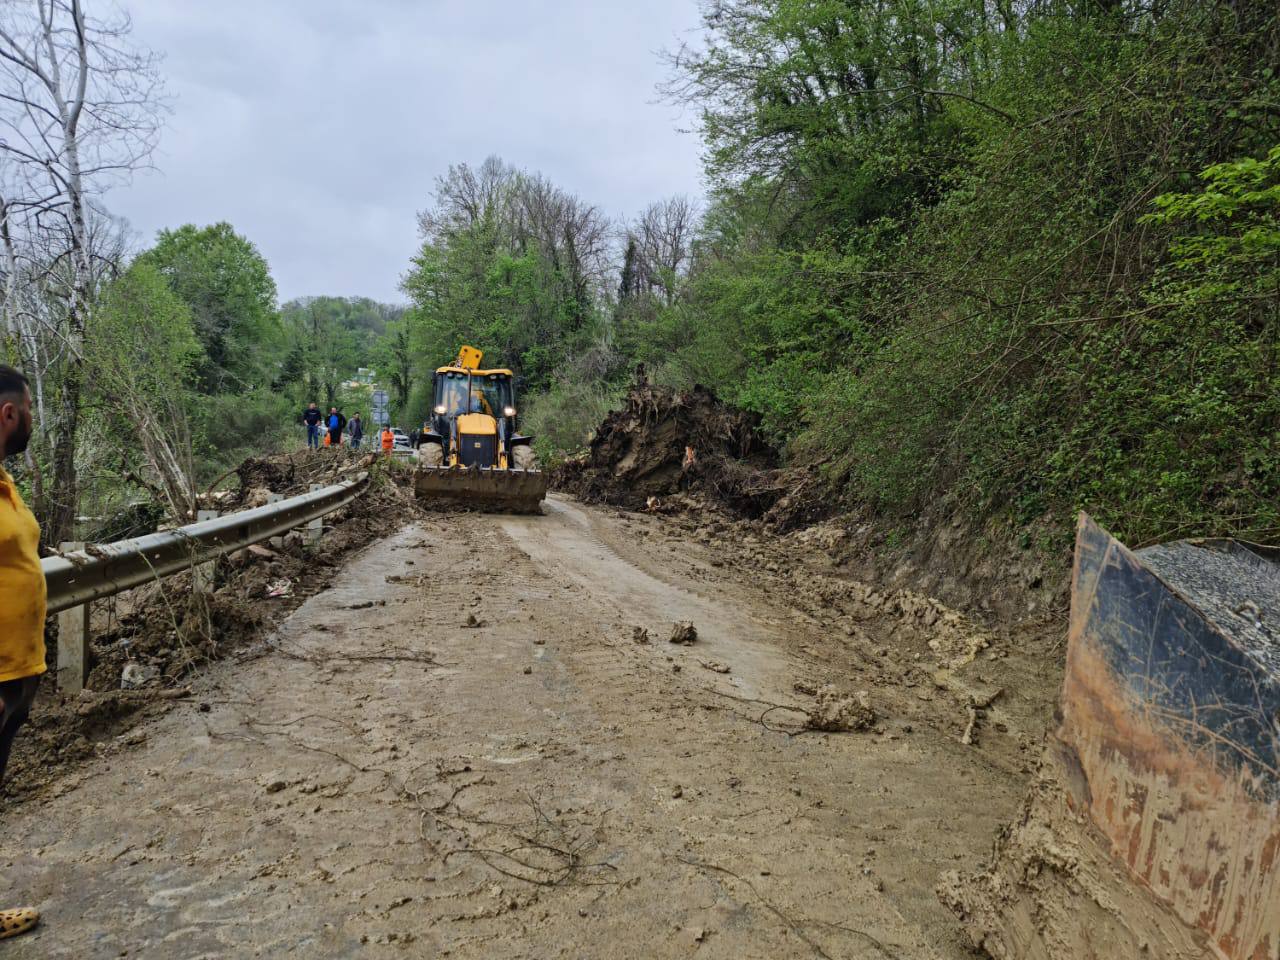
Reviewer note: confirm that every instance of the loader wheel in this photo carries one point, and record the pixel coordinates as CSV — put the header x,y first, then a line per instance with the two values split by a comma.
x,y
431,455
523,457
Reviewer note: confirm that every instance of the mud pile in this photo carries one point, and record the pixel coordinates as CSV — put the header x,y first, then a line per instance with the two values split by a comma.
x,y
664,443
164,631
1053,892
290,474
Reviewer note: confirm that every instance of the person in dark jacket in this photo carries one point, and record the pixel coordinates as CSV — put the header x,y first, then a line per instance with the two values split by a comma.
x,y
355,430
311,417
336,422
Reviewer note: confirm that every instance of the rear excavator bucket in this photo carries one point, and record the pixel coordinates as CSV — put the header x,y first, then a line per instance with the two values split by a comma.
x,y
488,489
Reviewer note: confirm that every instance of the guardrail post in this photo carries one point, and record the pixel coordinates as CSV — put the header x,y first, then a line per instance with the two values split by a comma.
x,y
73,639
315,529
277,542
202,573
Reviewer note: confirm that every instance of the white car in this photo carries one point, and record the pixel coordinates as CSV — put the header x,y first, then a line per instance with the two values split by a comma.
x,y
399,439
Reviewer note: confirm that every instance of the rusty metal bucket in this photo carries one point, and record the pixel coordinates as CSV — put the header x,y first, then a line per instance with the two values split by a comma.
x,y
486,489
1171,708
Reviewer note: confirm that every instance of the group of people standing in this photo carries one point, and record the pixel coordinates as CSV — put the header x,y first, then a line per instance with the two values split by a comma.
x,y
326,430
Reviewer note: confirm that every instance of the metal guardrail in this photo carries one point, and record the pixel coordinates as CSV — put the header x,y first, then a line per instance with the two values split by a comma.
x,y
103,570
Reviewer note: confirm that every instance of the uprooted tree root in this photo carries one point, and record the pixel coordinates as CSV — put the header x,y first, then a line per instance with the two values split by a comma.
x,y
664,442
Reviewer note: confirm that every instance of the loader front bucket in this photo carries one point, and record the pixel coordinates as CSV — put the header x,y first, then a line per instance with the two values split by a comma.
x,y
494,490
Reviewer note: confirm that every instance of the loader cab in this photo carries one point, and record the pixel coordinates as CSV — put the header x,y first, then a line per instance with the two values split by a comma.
x,y
459,392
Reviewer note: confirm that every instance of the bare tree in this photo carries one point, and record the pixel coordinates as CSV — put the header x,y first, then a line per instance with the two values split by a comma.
x,y
521,213
79,110
663,245
467,197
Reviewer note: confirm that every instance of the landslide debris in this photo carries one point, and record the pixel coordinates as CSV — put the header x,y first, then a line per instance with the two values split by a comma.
x,y
1054,892
666,443
291,474
684,633
836,712
147,640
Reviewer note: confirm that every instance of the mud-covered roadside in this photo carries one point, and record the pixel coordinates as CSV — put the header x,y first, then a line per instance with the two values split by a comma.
x,y
985,636
944,625
669,452
146,642
771,785
988,682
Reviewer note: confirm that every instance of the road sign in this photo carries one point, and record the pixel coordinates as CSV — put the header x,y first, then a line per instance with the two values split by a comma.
x,y
381,414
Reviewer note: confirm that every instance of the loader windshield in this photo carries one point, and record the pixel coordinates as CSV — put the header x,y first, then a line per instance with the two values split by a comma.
x,y
462,393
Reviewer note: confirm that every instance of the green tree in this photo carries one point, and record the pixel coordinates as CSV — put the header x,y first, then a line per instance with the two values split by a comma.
x,y
513,265
144,354
396,362
328,339
228,288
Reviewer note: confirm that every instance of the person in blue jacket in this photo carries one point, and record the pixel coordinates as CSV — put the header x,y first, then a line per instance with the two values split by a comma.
x,y
336,422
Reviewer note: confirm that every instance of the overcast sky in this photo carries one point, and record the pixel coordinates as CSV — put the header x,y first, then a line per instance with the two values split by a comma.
x,y
317,127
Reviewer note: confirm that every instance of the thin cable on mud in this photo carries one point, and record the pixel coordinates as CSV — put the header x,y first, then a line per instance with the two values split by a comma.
x,y
786,918
564,854
293,654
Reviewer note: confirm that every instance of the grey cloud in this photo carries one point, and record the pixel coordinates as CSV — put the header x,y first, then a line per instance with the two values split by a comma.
x,y
317,128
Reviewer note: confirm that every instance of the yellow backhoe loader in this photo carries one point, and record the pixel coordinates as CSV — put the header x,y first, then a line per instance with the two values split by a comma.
x,y
470,451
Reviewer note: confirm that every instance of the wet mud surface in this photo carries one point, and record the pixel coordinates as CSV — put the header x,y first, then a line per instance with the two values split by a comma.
x,y
480,742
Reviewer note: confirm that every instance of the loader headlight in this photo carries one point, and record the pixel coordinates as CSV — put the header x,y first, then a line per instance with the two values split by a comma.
x,y
440,409
508,411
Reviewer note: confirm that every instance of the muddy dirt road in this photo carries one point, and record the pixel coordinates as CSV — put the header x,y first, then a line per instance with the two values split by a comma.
x,y
462,750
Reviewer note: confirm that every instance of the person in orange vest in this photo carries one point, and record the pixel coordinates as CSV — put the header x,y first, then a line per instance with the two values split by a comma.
x,y
388,440
326,438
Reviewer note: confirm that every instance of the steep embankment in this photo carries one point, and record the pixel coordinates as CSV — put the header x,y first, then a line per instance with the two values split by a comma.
x,y
665,450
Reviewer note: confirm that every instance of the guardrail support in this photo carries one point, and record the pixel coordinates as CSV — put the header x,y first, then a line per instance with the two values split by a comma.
x,y
79,577
277,542
202,573
315,529
73,639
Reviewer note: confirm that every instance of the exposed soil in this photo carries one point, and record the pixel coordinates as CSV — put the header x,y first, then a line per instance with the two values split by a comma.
x,y
670,452
1054,892
663,443
478,742
165,631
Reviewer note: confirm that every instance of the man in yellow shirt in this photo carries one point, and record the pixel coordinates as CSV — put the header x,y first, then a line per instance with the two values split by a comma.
x,y
22,597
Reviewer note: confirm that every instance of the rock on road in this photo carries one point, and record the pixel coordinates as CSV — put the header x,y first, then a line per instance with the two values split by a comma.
x,y
391,782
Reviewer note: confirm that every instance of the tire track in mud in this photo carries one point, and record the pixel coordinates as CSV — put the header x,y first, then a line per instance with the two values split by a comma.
x,y
379,785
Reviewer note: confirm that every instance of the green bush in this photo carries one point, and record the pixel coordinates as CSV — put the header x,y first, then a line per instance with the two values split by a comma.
x,y
253,424
562,419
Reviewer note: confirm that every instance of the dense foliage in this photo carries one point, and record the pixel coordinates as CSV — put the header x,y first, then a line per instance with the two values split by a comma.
x,y
958,290
1010,258
225,371
1005,258
228,288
